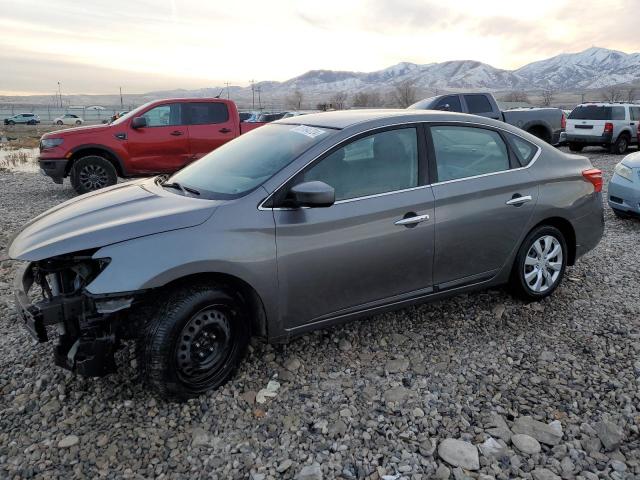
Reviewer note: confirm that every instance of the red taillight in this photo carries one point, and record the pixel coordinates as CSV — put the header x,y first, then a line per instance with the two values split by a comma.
x,y
594,176
608,127
563,122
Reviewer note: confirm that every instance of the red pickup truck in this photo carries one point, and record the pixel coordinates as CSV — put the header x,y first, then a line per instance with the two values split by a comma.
x,y
158,137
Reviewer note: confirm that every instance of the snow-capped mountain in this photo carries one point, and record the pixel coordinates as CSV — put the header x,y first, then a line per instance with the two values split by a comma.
x,y
592,68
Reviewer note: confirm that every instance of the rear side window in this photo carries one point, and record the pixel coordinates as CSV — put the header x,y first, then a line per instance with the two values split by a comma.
x,y
635,113
207,113
450,103
478,104
597,112
463,152
525,151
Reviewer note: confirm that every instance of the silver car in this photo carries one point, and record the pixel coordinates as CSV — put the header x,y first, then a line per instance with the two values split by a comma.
x,y
301,224
624,187
611,125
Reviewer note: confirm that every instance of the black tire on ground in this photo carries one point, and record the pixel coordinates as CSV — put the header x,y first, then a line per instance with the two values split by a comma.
x,y
78,122
620,213
194,342
11,122
575,147
59,122
92,173
540,132
621,145
522,270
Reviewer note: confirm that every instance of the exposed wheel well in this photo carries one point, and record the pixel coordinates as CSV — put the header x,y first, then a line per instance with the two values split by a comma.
x,y
567,230
257,312
541,132
94,151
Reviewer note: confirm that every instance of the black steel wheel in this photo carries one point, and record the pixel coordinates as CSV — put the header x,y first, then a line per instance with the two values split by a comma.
x,y
194,342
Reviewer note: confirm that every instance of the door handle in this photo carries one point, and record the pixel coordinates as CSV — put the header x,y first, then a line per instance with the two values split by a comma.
x,y
518,200
176,133
224,130
413,220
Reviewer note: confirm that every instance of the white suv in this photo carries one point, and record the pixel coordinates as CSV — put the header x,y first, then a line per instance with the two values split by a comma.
x,y
611,125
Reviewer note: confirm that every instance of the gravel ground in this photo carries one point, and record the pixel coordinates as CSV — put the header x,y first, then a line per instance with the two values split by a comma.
x,y
477,386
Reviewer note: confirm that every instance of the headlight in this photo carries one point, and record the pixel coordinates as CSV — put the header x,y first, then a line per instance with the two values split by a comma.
x,y
50,142
624,171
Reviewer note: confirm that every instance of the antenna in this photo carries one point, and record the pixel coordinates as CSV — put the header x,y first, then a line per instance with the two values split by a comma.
x,y
218,95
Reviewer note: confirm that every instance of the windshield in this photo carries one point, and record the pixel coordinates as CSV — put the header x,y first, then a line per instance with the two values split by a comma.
x,y
248,161
130,114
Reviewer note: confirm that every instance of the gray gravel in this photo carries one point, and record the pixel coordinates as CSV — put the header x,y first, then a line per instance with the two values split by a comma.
x,y
373,399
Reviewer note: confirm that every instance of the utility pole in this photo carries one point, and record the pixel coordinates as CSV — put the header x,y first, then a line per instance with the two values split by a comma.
x,y
227,85
258,89
253,94
121,103
60,94
582,95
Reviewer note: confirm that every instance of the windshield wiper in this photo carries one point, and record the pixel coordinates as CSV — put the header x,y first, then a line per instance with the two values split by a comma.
x,y
182,188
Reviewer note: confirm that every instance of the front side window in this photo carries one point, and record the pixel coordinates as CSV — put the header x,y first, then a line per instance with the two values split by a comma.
x,y
450,103
382,162
206,113
462,152
478,104
618,113
164,115
635,113
248,161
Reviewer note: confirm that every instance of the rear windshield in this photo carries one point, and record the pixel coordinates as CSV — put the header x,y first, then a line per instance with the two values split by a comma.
x,y
595,112
248,161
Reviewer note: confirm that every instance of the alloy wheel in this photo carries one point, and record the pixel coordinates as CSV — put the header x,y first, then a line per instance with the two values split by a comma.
x,y
93,177
204,346
543,264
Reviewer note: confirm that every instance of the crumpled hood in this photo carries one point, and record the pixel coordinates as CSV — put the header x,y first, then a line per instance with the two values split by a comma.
x,y
632,160
107,216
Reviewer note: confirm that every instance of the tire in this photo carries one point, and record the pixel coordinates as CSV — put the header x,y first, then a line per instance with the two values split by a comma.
x,y
524,281
620,146
575,147
620,213
59,122
92,173
201,319
78,122
11,122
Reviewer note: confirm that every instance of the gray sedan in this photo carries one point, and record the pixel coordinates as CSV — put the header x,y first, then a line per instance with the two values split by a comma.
x,y
301,224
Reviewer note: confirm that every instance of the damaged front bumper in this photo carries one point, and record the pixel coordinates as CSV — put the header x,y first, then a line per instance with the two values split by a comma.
x,y
87,327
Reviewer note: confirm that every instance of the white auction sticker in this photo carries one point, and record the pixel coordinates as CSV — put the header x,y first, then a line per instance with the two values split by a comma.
x,y
311,132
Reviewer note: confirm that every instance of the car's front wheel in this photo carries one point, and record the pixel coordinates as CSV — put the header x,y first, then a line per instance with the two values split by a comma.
x,y
11,122
540,263
78,122
92,173
59,122
194,342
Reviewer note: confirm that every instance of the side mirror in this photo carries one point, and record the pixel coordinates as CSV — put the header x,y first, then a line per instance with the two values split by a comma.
x,y
139,122
313,194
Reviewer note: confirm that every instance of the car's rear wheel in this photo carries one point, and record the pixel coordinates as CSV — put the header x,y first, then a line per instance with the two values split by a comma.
x,y
540,263
11,122
59,122
92,173
621,145
575,147
195,341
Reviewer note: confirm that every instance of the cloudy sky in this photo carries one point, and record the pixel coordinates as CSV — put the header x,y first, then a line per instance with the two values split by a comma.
x,y
97,45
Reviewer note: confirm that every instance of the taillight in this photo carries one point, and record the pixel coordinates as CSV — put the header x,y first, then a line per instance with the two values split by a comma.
x,y
608,127
594,176
563,122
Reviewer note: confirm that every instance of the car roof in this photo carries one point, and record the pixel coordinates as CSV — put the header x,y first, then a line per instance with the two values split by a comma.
x,y
346,118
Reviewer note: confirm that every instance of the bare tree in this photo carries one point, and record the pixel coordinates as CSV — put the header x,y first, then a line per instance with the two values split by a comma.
x,y
404,94
548,94
294,100
631,94
612,94
516,96
367,99
339,100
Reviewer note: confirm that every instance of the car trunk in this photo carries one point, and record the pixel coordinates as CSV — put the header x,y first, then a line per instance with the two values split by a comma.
x,y
590,120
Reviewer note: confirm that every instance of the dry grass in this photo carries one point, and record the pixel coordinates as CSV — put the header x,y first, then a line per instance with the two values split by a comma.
x,y
15,159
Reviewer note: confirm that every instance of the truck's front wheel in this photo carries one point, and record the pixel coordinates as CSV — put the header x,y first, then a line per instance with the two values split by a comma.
x,y
194,342
92,173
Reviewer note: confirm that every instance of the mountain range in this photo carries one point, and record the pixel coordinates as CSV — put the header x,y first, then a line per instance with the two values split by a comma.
x,y
594,68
